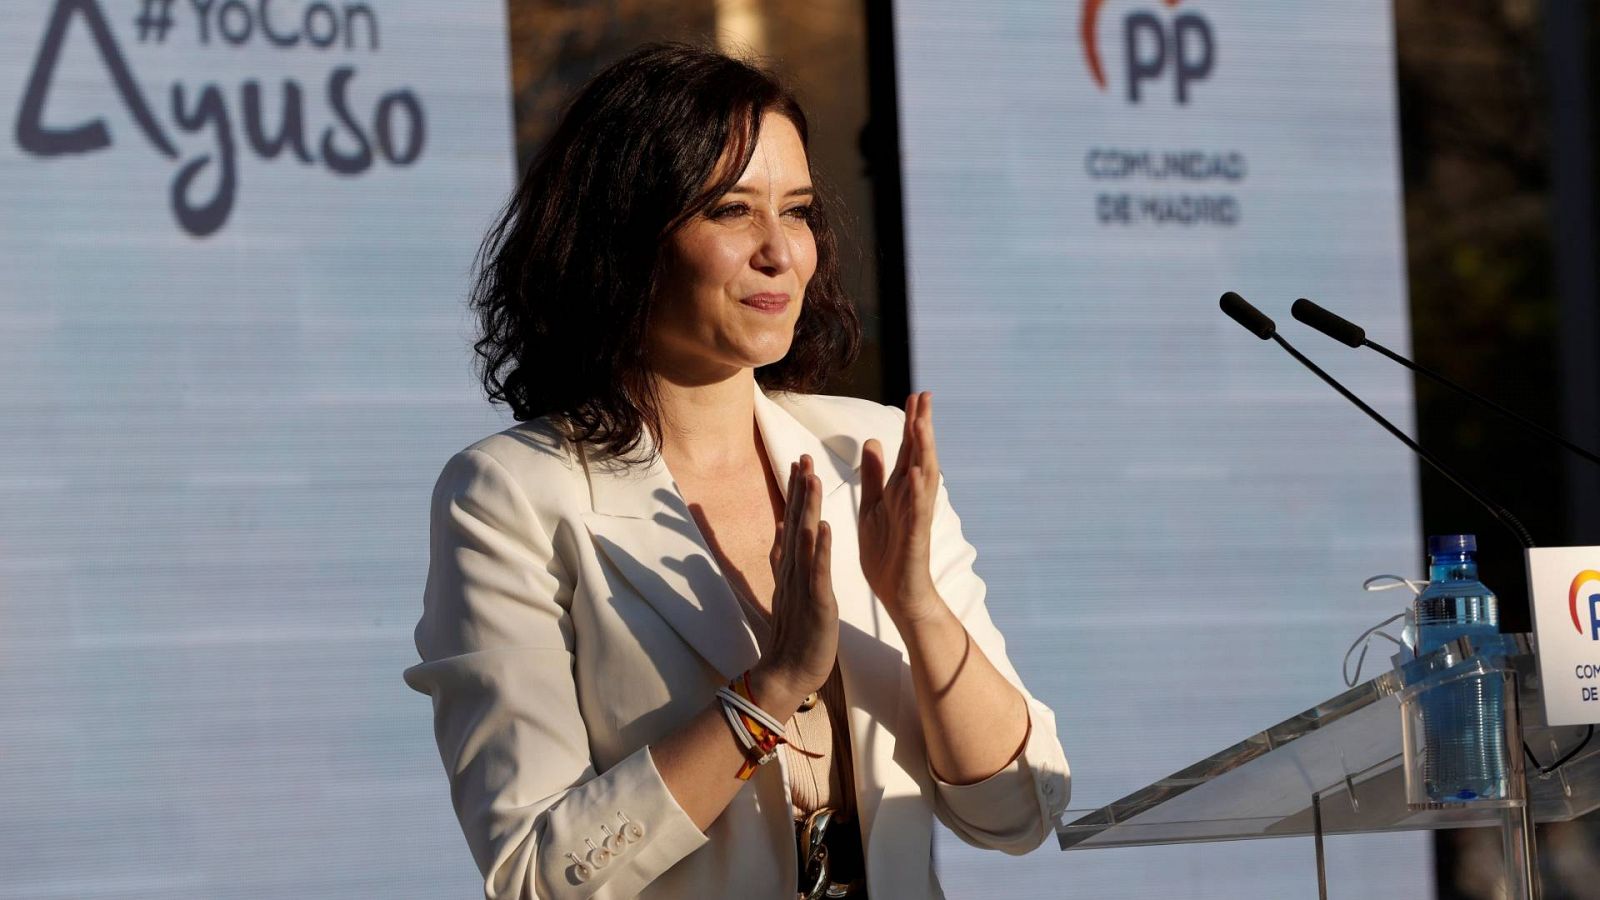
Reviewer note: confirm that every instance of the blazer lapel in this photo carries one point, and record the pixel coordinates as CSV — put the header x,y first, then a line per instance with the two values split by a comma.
x,y
871,653
643,526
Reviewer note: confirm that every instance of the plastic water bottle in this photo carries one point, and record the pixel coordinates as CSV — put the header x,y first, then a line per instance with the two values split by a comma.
x,y
1463,720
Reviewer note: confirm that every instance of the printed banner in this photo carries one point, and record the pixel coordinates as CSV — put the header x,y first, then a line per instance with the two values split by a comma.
x,y
1174,519
234,354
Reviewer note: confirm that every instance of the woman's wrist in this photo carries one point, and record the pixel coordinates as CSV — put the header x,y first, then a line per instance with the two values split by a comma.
x,y
775,692
919,612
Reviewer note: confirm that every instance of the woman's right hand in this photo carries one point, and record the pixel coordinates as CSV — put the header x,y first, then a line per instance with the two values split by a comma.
x,y
805,615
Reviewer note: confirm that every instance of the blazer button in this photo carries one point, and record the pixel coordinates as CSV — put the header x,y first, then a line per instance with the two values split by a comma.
x,y
580,869
598,856
632,831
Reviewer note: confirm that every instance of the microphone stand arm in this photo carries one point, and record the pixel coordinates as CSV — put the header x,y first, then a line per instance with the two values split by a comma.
x,y
1546,433
1500,513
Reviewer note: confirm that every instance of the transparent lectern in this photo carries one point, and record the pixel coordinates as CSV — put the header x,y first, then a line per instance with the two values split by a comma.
x,y
1340,768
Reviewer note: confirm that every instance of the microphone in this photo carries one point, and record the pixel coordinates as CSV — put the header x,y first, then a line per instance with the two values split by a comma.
x,y
1257,323
1254,320
1346,332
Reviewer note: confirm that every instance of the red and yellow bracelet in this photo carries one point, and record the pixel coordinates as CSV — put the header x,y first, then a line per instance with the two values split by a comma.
x,y
758,733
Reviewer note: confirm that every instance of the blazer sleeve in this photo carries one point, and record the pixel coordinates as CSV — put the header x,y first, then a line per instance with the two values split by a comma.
x,y
1015,809
497,651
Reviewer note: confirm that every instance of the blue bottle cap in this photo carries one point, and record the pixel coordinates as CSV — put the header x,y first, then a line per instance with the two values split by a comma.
x,y
1452,544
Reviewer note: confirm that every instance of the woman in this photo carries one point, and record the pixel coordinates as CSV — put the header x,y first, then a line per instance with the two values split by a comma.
x,y
682,565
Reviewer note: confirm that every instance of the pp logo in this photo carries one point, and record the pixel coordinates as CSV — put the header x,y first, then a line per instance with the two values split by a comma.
x,y
1591,578
1186,47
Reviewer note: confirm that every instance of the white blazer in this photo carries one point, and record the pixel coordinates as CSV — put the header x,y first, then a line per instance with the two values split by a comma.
x,y
573,615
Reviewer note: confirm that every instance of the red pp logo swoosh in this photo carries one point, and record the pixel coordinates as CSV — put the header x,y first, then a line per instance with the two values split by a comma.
x,y
1086,29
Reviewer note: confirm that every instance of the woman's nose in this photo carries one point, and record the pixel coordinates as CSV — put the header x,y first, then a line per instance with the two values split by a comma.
x,y
773,255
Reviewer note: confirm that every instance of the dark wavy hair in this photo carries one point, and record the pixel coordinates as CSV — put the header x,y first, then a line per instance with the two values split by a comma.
x,y
568,278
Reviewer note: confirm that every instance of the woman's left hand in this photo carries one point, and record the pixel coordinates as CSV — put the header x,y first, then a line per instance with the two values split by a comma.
x,y
897,517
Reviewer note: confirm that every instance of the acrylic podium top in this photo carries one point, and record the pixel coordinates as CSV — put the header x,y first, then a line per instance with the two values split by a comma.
x,y
1347,752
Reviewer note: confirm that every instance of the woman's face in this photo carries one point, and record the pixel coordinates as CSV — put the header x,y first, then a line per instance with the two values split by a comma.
x,y
735,275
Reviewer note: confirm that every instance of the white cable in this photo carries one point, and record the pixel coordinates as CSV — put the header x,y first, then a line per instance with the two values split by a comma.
x,y
1374,584
1394,581
1364,641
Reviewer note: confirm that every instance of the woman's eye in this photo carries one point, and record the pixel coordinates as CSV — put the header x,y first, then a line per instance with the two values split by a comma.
x,y
803,213
729,210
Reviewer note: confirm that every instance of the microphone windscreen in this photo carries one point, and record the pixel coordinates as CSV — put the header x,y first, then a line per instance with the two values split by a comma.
x,y
1337,327
1253,320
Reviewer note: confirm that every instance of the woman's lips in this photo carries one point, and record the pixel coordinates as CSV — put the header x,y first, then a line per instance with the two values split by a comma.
x,y
768,303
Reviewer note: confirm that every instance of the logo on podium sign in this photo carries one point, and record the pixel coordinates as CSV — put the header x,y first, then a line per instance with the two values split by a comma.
x,y
1564,584
1588,578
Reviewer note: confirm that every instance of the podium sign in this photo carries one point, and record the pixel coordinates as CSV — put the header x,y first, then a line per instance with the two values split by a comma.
x,y
1564,583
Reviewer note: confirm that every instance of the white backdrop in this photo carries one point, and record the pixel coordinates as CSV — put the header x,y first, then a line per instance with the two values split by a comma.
x,y
1176,548
224,411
